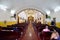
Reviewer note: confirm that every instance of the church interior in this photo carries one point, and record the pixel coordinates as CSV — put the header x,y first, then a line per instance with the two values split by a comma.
x,y
29,19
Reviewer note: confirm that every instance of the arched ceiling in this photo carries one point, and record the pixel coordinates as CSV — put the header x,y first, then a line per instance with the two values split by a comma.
x,y
45,6
9,7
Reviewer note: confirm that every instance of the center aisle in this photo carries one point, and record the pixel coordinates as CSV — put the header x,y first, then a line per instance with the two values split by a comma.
x,y
30,33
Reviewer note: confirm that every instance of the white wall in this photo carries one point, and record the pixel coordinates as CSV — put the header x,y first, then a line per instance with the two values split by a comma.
x,y
54,15
4,15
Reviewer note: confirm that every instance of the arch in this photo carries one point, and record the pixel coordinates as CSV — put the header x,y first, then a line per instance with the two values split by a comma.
x,y
29,9
19,11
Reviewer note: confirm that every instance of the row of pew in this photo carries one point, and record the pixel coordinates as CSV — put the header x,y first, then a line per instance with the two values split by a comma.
x,y
13,32
39,30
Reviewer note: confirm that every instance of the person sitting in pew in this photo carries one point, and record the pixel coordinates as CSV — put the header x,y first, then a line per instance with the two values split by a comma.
x,y
55,35
46,29
46,34
15,29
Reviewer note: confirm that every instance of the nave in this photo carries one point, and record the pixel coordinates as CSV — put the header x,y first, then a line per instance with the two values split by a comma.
x,y
29,19
26,31
30,33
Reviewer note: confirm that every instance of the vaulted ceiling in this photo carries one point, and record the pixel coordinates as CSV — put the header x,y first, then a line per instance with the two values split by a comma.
x,y
9,7
45,6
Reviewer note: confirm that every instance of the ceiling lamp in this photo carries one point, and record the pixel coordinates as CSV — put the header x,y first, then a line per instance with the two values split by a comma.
x,y
57,9
48,12
3,7
12,12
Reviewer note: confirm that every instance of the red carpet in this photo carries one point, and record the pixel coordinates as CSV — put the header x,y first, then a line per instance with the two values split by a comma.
x,y
30,33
